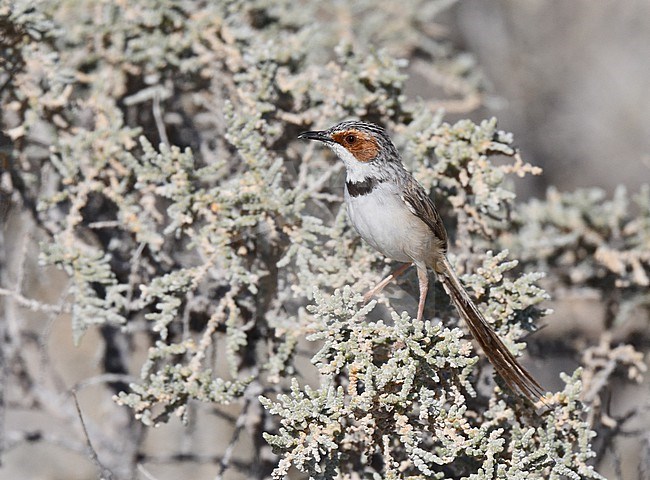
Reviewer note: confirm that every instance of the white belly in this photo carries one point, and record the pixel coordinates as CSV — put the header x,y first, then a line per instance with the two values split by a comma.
x,y
383,220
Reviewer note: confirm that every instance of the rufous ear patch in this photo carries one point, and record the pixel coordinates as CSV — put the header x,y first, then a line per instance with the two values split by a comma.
x,y
362,145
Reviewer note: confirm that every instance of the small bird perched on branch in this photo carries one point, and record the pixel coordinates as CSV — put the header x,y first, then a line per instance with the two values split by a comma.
x,y
392,212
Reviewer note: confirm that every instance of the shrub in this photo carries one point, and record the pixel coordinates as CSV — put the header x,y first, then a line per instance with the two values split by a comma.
x,y
154,147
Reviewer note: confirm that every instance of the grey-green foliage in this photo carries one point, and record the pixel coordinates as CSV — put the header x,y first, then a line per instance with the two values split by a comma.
x,y
215,243
591,242
598,237
465,171
407,409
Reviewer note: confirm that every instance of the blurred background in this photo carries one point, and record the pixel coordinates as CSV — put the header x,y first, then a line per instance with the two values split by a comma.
x,y
571,80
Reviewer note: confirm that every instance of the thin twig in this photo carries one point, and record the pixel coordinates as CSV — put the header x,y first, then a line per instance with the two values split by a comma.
x,y
176,458
157,115
644,463
34,305
47,366
4,375
20,268
104,224
17,438
189,432
145,472
616,460
133,271
104,378
104,472
241,422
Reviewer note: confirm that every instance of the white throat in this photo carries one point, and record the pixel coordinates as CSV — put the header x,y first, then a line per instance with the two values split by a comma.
x,y
356,171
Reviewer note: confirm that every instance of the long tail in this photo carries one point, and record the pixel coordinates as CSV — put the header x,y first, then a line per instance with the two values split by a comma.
x,y
517,378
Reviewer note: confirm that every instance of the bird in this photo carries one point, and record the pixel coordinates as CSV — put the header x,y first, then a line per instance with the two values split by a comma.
x,y
392,212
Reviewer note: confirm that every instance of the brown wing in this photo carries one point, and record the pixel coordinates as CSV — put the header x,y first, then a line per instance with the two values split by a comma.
x,y
420,205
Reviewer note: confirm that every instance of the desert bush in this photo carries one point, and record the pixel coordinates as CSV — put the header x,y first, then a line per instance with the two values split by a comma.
x,y
153,148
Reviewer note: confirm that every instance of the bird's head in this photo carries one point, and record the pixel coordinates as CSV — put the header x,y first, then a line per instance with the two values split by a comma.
x,y
356,143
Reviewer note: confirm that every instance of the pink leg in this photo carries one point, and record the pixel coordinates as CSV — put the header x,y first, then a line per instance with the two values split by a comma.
x,y
423,280
380,286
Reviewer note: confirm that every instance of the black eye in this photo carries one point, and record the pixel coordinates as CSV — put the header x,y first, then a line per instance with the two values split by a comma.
x,y
350,139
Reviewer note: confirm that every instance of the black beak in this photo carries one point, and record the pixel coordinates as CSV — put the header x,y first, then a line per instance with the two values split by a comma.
x,y
316,135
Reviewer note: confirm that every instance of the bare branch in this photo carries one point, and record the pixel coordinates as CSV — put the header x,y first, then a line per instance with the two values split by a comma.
x,y
35,305
105,473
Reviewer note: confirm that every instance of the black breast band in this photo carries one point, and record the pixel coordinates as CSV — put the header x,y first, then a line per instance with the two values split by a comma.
x,y
356,189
